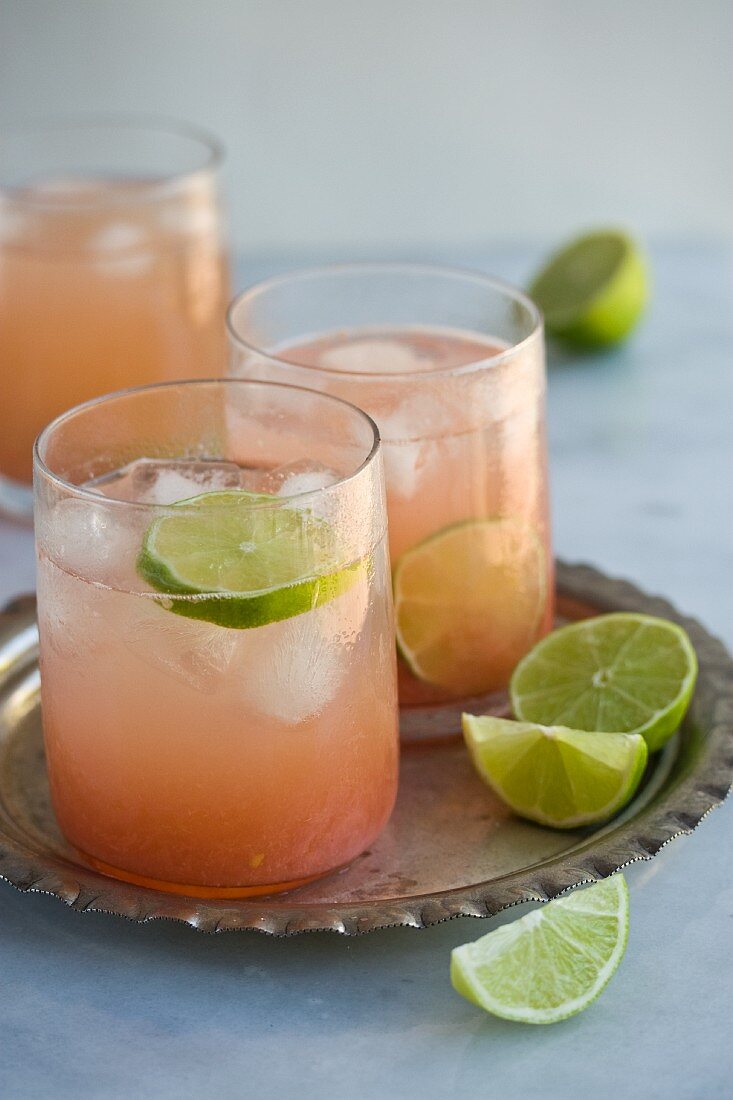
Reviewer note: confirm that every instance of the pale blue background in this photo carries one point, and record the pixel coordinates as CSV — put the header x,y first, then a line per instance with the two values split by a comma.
x,y
93,1006
394,123
476,132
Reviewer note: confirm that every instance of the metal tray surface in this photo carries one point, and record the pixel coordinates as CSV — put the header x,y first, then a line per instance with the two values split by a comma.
x,y
451,849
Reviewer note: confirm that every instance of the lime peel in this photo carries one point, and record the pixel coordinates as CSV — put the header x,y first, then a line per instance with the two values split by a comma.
x,y
246,566
551,963
593,290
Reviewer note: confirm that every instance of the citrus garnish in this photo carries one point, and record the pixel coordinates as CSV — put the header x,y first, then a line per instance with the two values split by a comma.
x,y
593,290
621,673
556,776
551,963
468,603
247,561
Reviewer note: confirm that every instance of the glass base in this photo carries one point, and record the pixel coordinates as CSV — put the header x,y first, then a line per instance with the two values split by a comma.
x,y
442,721
16,500
197,891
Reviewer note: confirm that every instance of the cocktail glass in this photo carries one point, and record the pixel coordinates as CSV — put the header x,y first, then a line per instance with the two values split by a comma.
x,y
451,366
208,734
112,271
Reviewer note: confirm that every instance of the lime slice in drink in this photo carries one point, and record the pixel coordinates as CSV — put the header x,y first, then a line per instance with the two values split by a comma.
x,y
247,565
624,673
593,291
551,963
556,776
469,601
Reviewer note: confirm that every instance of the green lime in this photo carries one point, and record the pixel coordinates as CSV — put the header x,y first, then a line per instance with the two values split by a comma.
x,y
551,963
593,291
621,673
469,601
247,565
556,776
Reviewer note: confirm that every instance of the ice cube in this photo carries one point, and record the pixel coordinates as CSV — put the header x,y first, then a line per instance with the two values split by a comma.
x,y
414,417
373,357
166,481
69,612
95,541
118,236
122,249
296,672
194,653
293,669
403,467
192,212
410,428
303,476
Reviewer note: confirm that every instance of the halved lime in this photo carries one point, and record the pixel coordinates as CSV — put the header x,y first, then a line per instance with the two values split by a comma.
x,y
551,963
556,776
593,291
469,601
622,673
247,565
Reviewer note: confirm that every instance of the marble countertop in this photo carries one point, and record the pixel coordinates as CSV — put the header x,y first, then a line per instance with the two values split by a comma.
x,y
91,1005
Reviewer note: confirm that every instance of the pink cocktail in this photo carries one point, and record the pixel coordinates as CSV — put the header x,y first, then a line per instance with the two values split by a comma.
x,y
451,366
216,741
112,272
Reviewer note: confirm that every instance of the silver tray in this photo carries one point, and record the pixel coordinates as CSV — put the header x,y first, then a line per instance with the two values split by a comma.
x,y
451,848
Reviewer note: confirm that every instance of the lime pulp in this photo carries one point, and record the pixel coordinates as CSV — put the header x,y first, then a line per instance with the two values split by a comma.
x,y
555,776
247,561
469,601
551,963
620,673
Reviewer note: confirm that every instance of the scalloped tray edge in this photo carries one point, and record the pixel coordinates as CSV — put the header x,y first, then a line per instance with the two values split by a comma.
x,y
676,814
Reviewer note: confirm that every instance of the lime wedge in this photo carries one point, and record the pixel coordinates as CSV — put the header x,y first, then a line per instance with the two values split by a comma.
x,y
551,963
556,776
247,565
622,673
469,601
593,291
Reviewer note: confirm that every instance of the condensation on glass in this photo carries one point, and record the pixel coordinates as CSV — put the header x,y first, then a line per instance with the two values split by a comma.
x,y
451,366
185,754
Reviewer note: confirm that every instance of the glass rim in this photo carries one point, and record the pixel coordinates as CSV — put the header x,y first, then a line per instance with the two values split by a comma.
x,y
42,469
387,267
212,149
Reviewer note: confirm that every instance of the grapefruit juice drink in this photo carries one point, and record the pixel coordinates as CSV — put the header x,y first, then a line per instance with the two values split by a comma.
x,y
112,272
451,366
218,681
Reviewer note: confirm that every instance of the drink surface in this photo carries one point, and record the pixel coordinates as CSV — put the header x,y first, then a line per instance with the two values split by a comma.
x,y
192,754
394,351
462,423
102,288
